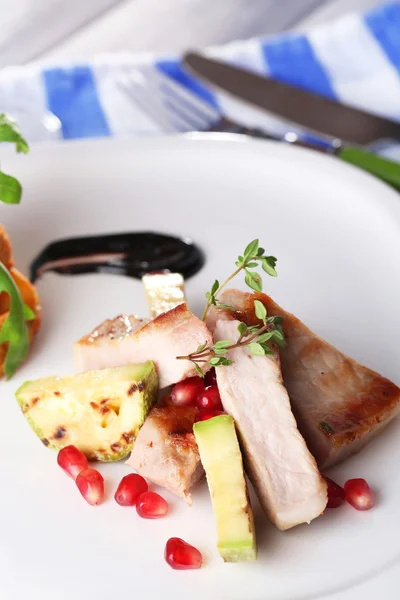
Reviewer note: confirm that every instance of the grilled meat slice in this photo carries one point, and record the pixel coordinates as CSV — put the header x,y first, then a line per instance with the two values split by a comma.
x,y
126,340
339,404
165,451
283,472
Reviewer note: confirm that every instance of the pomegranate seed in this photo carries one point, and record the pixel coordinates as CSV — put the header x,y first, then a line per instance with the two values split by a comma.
x,y
91,485
359,494
210,399
72,461
151,506
205,414
210,378
185,392
335,494
129,489
180,555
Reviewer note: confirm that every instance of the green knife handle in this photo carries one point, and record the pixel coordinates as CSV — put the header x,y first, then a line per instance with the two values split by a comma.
x,y
387,170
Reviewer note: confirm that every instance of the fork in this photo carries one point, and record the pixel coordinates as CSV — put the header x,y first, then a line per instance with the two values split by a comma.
x,y
177,110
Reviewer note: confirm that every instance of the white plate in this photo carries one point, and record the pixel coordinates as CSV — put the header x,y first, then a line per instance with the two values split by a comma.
x,y
336,232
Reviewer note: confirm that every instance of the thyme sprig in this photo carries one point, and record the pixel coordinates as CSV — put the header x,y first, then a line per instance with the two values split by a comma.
x,y
256,337
253,257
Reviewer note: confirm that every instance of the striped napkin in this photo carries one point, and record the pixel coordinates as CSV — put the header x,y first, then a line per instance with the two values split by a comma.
x,y
355,59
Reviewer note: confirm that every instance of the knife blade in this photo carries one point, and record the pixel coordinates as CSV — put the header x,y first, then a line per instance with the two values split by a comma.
x,y
307,109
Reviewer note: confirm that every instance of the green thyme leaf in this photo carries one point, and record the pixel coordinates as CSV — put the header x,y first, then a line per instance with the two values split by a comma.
x,y
254,281
225,362
251,250
277,320
326,427
225,306
201,347
253,329
251,265
265,337
222,344
215,287
199,370
260,252
266,348
278,338
218,361
261,311
214,361
256,349
272,260
268,266
242,328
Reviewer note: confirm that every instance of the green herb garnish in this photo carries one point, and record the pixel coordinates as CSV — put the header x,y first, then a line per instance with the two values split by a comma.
x,y
256,337
14,329
326,427
10,188
253,257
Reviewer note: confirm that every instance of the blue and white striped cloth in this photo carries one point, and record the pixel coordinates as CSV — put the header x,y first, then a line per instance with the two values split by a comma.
x,y
355,60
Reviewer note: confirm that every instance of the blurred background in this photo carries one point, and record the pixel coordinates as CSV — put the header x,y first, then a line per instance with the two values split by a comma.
x,y
55,30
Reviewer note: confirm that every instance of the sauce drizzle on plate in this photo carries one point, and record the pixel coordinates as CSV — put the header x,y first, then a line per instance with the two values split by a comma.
x,y
132,254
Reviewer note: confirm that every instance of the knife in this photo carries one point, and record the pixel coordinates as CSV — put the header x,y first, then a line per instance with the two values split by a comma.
x,y
312,112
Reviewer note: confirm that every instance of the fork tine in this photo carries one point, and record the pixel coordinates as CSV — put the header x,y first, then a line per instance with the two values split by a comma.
x,y
184,120
135,93
177,113
190,100
166,102
144,90
185,110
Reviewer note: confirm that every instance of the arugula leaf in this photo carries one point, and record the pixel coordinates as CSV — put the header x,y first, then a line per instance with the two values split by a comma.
x,y
10,132
29,313
14,329
10,189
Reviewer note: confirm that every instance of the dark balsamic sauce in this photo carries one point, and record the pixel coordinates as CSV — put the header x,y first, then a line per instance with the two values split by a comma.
x,y
132,254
